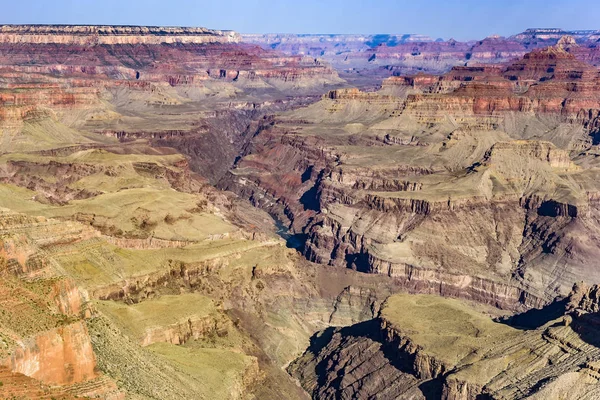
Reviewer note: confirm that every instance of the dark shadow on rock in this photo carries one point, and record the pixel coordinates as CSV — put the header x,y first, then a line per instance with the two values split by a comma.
x,y
310,199
320,340
358,262
536,317
369,329
552,208
292,241
540,384
306,175
297,241
432,389
595,137
587,327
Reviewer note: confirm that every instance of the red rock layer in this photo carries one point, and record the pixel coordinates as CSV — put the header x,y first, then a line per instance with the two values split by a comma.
x,y
62,356
545,81
47,69
97,34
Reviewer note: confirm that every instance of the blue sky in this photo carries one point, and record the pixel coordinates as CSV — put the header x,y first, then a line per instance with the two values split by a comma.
x,y
466,19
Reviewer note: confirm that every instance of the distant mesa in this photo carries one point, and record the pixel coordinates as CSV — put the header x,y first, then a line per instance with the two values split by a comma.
x,y
112,34
556,34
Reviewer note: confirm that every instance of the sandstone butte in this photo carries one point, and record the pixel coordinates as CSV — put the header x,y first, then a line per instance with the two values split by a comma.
x,y
189,213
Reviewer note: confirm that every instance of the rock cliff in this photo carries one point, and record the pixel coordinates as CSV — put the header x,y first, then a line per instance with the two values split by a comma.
x,y
408,183
427,347
110,35
366,59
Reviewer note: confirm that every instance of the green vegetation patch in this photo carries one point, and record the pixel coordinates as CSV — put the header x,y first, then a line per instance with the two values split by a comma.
x,y
164,311
222,372
447,329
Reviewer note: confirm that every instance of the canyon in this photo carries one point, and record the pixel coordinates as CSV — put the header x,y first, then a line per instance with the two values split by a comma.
x,y
467,182
196,213
361,59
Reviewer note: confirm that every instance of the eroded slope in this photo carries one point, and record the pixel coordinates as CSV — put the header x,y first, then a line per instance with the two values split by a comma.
x,y
425,346
477,183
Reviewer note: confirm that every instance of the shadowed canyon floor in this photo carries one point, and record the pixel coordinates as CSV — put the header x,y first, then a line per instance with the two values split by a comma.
x,y
148,175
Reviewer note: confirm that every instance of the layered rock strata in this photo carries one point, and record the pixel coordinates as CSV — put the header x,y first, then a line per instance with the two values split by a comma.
x,y
366,59
98,35
419,355
475,183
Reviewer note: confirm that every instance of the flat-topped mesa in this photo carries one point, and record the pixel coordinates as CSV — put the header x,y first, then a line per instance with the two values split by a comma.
x,y
452,80
473,72
106,34
419,81
550,34
495,49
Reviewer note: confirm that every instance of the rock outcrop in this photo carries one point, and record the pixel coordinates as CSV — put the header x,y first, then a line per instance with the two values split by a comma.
x,y
408,182
427,347
62,356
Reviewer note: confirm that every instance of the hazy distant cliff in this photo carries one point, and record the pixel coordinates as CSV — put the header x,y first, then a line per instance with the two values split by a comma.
x,y
362,57
106,34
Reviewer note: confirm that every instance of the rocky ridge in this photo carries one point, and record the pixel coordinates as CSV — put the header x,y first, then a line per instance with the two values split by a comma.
x,y
553,357
365,59
97,34
494,155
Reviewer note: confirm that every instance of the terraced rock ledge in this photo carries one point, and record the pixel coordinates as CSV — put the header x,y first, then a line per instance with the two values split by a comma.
x,y
428,347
